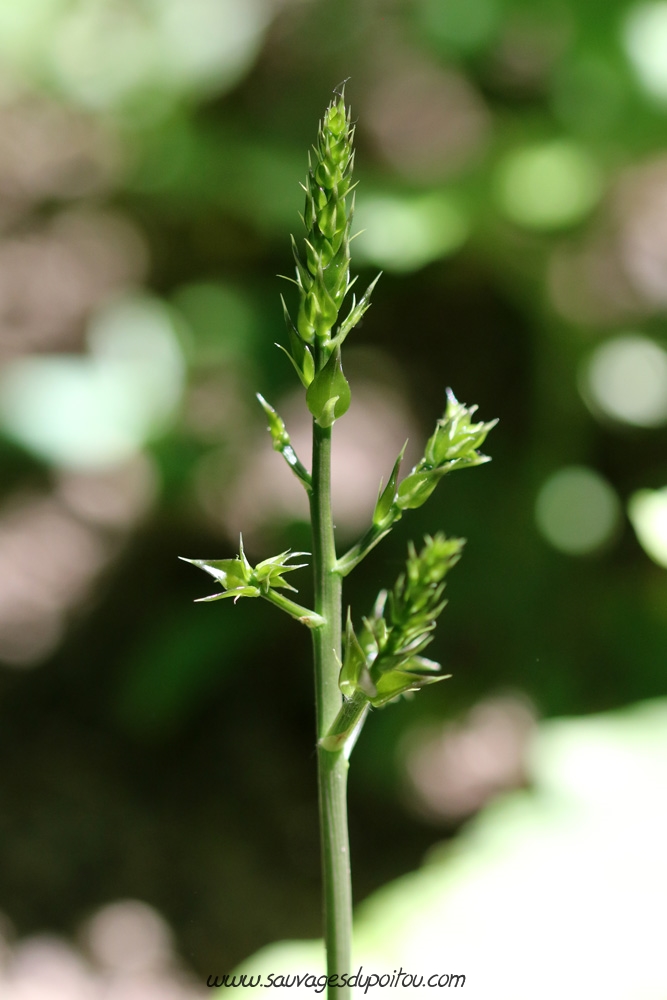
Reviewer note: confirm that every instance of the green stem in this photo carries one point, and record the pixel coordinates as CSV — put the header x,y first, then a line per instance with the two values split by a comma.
x,y
301,473
281,439
368,541
332,767
303,615
347,724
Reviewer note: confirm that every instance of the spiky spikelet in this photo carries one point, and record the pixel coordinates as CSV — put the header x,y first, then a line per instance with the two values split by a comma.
x,y
323,268
385,660
324,276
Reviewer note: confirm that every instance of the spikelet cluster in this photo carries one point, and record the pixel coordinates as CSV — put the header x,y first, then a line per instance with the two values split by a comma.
x,y
453,445
324,276
323,268
238,578
385,660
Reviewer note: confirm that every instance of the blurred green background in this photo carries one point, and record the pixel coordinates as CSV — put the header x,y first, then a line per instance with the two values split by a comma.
x,y
513,188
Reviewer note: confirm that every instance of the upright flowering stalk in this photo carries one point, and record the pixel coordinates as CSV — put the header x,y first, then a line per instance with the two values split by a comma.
x,y
383,659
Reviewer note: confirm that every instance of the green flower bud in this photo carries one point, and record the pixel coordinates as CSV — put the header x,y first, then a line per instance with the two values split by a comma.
x,y
456,437
305,319
416,488
397,682
318,259
336,120
453,445
338,151
327,172
327,311
337,275
332,218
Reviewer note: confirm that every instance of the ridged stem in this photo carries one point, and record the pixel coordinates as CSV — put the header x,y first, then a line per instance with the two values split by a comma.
x,y
332,767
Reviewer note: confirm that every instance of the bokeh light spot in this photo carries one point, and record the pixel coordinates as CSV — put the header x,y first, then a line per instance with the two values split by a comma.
x,y
211,42
647,510
626,379
645,40
452,770
406,233
549,185
106,55
429,122
92,411
577,511
48,563
130,936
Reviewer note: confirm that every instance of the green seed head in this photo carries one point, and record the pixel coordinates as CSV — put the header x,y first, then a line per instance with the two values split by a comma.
x,y
456,438
385,660
323,267
453,445
328,216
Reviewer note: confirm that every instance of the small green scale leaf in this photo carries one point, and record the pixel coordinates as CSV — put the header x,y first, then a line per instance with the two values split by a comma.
x,y
387,496
328,396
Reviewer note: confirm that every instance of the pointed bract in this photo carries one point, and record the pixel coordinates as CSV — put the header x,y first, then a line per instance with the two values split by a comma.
x,y
386,499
